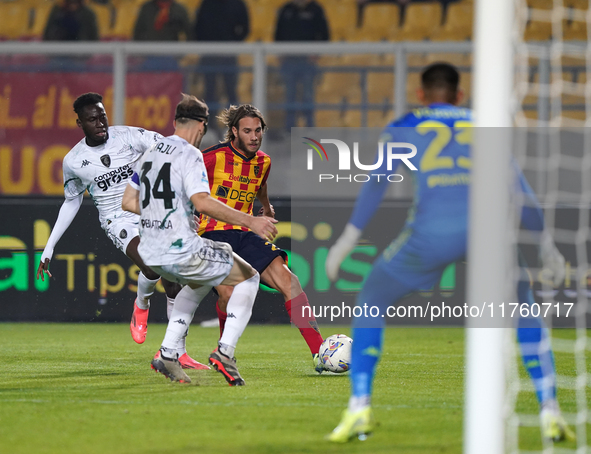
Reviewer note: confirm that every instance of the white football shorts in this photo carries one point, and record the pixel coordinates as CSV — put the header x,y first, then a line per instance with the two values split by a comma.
x,y
209,265
121,232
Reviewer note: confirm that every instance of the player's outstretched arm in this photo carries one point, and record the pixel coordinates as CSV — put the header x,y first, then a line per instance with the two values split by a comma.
x,y
261,225
131,199
66,215
340,250
366,205
263,197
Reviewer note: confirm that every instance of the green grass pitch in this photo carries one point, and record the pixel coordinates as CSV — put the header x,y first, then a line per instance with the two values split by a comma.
x,y
88,388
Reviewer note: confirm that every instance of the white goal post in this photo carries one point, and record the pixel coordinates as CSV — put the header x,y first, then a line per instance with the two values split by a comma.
x,y
488,246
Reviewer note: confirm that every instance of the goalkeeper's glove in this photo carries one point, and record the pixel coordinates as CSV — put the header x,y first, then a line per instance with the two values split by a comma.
x,y
552,259
340,250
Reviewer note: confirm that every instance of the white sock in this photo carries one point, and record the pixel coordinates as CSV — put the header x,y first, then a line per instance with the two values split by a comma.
x,y
182,349
227,350
145,289
183,342
185,305
359,403
239,310
169,306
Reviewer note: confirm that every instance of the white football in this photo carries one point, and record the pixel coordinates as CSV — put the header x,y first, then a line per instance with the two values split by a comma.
x,y
335,353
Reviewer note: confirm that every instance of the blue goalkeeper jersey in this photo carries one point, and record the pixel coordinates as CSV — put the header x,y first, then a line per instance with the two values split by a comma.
x,y
442,134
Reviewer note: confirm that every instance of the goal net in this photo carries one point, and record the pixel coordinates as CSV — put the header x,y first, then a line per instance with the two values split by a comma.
x,y
546,108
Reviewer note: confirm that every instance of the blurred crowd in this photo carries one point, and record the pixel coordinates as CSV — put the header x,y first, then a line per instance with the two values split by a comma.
x,y
215,20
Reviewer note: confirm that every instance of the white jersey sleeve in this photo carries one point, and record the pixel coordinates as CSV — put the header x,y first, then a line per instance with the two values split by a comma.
x,y
143,139
73,184
193,171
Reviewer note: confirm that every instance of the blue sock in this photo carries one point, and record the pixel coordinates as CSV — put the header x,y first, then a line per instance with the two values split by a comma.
x,y
536,351
379,290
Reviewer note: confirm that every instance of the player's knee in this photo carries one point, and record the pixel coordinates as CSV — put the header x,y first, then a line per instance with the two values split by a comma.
x,y
149,273
224,294
171,288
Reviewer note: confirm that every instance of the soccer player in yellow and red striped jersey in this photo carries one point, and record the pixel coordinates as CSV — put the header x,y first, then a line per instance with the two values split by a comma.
x,y
237,171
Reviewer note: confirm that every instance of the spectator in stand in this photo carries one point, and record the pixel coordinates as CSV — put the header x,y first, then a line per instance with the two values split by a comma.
x,y
161,20
221,20
300,20
71,20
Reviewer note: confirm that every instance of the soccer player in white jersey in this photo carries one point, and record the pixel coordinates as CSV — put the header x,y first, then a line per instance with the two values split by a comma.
x,y
102,163
170,183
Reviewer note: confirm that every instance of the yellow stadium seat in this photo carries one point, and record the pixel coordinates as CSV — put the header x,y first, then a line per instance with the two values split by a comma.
x,y
352,119
329,119
416,59
457,59
273,4
342,19
540,4
329,60
361,60
14,20
373,119
125,17
538,29
458,23
245,87
413,81
338,86
40,15
380,87
380,22
575,30
104,18
263,18
466,87
422,21
379,118
579,115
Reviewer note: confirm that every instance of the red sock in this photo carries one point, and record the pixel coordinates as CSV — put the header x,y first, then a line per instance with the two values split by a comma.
x,y
304,319
221,317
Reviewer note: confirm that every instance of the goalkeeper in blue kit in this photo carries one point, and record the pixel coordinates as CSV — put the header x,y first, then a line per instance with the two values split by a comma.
x,y
435,235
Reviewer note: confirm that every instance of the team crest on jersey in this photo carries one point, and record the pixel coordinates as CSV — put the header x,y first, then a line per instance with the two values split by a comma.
x,y
222,192
106,160
257,171
123,234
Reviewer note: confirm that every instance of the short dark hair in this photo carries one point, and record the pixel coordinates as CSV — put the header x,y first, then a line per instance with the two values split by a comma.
x,y
87,99
191,108
231,116
440,76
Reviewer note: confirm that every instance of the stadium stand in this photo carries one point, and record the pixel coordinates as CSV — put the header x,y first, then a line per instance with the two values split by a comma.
x,y
422,21
105,17
380,22
40,14
15,18
539,26
125,17
342,19
458,23
262,21
351,89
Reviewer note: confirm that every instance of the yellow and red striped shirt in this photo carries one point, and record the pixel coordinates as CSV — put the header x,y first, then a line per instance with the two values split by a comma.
x,y
234,180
